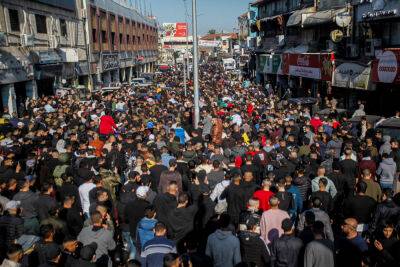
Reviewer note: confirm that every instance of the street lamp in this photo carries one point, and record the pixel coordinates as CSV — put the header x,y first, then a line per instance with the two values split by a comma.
x,y
195,66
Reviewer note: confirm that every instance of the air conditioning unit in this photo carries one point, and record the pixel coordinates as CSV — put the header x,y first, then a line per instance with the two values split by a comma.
x,y
371,45
27,40
3,39
53,41
352,50
83,13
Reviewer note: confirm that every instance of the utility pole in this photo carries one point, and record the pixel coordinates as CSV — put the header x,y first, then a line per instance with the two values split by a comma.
x,y
86,40
195,66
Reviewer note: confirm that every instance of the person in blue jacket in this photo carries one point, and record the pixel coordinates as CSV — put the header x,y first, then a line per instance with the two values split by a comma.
x,y
298,200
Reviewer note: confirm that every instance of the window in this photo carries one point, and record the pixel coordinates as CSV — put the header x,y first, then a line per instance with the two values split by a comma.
x,y
113,38
128,39
133,39
14,20
41,26
121,41
94,35
104,37
63,28
138,40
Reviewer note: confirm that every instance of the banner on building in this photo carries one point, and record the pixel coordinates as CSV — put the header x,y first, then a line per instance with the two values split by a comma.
x,y
386,67
209,43
178,29
313,66
273,64
262,59
352,75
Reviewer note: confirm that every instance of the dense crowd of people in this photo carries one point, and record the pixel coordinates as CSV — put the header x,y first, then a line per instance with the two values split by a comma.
x,y
125,179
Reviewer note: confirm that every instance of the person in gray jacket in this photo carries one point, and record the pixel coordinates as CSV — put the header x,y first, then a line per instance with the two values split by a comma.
x,y
98,233
222,246
320,215
319,252
29,212
386,171
385,147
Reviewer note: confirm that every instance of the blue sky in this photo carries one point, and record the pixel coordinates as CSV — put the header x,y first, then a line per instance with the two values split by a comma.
x,y
217,14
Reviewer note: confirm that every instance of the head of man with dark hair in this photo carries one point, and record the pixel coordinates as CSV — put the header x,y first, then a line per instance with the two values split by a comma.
x,y
14,255
361,187
172,260
160,229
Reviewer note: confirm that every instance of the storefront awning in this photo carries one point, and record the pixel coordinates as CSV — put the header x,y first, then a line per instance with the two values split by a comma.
x,y
69,55
320,17
295,18
15,66
47,57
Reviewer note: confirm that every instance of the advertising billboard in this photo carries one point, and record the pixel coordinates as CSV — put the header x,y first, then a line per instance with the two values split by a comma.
x,y
178,29
386,67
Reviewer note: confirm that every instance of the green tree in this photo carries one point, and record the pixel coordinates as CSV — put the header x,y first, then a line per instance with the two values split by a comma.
x,y
212,31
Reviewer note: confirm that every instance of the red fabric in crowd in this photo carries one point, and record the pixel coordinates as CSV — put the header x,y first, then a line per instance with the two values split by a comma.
x,y
107,125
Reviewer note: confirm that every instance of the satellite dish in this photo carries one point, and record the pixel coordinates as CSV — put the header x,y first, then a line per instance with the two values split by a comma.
x,y
343,19
336,36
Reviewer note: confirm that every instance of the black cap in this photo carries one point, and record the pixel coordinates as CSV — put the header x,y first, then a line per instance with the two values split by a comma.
x,y
287,225
88,251
52,251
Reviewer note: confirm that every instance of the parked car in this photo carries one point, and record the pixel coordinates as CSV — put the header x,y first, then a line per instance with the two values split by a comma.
x,y
390,127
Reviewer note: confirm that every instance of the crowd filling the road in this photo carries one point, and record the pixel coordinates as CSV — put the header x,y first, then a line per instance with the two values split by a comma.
x,y
125,179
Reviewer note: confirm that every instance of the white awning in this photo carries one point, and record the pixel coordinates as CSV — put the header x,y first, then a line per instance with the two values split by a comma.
x,y
295,18
320,17
69,55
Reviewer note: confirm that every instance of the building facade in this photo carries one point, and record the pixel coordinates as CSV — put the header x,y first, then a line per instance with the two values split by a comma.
x,y
44,45
40,48
342,48
123,42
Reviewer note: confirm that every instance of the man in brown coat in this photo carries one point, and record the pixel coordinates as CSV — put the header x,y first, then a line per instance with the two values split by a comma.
x,y
168,176
216,132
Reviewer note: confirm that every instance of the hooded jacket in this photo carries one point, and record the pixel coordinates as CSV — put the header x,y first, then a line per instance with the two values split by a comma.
x,y
387,171
181,222
253,249
145,230
385,147
223,248
28,201
103,238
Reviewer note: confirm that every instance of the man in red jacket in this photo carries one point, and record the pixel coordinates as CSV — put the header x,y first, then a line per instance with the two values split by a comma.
x,y
107,124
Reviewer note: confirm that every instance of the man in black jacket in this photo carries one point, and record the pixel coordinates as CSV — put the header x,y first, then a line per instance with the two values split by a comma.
x,y
133,213
165,202
286,199
181,220
252,247
285,251
387,210
45,202
11,224
235,199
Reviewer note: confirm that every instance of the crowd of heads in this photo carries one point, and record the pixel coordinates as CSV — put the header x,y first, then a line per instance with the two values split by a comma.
x,y
130,165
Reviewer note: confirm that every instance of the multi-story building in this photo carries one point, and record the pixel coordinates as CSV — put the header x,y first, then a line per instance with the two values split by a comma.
x,y
123,42
345,48
40,48
44,45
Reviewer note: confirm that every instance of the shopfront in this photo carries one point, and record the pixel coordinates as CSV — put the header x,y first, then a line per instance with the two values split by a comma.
x,y
351,82
309,74
385,73
109,67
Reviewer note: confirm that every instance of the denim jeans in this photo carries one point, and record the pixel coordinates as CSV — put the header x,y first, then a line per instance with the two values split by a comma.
x,y
130,244
386,185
